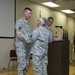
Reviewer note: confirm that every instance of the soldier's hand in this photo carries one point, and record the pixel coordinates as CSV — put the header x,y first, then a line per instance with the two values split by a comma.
x,y
51,41
20,35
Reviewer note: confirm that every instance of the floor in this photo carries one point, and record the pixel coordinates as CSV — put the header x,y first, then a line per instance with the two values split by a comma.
x,y
72,68
31,71
14,72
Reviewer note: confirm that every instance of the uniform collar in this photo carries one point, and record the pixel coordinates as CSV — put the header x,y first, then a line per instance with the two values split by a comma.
x,y
24,20
49,27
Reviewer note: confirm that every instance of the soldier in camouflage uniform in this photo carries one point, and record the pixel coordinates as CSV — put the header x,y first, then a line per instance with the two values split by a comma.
x,y
40,37
23,44
50,21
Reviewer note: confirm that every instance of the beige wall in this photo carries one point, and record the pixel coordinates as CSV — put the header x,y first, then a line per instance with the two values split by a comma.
x,y
21,4
70,28
5,46
60,18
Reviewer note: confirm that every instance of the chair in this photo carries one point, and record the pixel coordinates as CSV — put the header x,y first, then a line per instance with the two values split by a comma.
x,y
13,57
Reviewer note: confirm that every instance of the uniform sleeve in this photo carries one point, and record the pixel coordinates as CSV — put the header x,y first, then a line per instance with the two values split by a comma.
x,y
18,29
27,37
24,30
50,36
35,35
53,37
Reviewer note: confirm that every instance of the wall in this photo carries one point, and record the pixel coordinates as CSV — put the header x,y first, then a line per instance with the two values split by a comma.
x,y
70,29
5,46
60,18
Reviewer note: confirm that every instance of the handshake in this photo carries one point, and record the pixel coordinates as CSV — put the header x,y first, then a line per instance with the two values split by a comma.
x,y
20,35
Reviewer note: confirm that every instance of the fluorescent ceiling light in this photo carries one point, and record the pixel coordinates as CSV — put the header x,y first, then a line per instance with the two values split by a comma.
x,y
50,4
67,11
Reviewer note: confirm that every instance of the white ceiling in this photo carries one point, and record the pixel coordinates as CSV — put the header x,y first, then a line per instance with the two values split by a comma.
x,y
64,4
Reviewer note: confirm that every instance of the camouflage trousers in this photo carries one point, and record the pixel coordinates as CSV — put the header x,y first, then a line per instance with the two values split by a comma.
x,y
23,57
40,64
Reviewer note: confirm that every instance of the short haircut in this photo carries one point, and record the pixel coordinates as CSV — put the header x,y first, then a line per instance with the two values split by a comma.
x,y
27,8
50,18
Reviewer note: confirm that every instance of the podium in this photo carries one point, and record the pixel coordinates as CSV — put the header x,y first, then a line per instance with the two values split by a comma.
x,y
58,58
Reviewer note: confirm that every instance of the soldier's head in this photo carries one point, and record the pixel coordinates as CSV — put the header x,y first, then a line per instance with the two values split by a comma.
x,y
50,21
42,21
27,13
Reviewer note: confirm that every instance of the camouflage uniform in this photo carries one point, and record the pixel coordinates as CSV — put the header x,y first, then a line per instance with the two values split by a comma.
x,y
40,38
51,33
22,45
